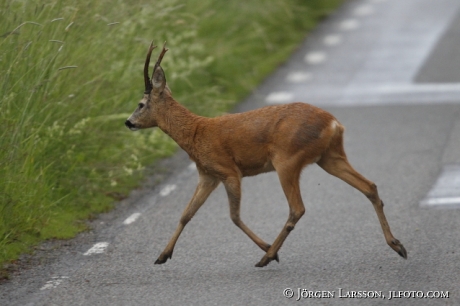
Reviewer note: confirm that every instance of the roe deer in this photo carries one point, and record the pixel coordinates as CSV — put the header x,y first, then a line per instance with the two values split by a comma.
x,y
282,138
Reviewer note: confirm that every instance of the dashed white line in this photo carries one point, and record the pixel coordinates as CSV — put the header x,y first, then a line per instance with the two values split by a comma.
x,y
192,166
349,24
279,97
54,282
332,40
364,10
297,77
98,248
315,58
131,218
167,190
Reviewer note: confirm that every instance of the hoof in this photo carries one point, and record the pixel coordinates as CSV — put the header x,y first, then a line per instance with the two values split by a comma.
x,y
261,264
276,255
402,252
265,261
162,259
399,248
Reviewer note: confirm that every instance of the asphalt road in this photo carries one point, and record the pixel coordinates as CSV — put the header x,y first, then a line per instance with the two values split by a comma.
x,y
389,71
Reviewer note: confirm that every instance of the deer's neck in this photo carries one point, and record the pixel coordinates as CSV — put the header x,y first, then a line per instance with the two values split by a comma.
x,y
179,123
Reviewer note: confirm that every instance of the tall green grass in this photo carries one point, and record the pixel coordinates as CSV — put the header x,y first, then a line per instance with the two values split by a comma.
x,y
71,72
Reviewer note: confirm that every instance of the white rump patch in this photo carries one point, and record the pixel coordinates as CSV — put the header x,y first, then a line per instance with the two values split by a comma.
x,y
334,124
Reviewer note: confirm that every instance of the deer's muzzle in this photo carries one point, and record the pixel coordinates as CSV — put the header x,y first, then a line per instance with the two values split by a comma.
x,y
130,125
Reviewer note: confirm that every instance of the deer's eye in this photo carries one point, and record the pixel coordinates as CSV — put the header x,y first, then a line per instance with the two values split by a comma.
x,y
141,105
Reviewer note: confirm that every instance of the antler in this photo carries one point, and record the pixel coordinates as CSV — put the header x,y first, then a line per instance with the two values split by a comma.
x,y
160,58
148,83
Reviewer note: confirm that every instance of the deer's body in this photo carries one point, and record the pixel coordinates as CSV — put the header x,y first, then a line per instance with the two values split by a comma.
x,y
217,145
283,138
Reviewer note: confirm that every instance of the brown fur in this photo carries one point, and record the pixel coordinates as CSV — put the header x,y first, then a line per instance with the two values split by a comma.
x,y
282,138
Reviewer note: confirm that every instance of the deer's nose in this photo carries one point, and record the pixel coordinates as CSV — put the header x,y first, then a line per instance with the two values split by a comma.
x,y
129,124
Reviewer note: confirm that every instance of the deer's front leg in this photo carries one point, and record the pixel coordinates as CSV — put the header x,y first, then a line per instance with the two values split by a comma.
x,y
233,187
205,186
289,178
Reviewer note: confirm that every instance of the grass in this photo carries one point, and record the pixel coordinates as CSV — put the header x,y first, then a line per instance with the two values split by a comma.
x,y
71,73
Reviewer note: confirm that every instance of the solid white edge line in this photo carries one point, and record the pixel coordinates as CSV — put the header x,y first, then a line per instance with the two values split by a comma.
x,y
427,88
441,201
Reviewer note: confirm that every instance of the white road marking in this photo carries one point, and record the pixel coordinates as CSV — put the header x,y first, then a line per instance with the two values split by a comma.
x,y
131,218
98,248
373,94
428,88
167,190
298,77
446,191
441,201
364,10
192,166
54,282
332,40
279,97
349,24
315,58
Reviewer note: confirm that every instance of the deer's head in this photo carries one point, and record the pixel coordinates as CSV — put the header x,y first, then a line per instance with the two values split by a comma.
x,y
156,90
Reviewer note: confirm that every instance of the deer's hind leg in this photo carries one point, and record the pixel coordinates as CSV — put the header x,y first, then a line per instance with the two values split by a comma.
x,y
334,161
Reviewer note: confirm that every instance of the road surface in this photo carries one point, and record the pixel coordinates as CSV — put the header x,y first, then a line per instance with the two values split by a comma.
x,y
389,71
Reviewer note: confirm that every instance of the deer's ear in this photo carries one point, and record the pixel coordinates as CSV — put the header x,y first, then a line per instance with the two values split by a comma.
x,y
158,80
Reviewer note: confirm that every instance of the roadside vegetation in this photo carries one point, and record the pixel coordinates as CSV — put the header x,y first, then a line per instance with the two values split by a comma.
x,y
71,73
